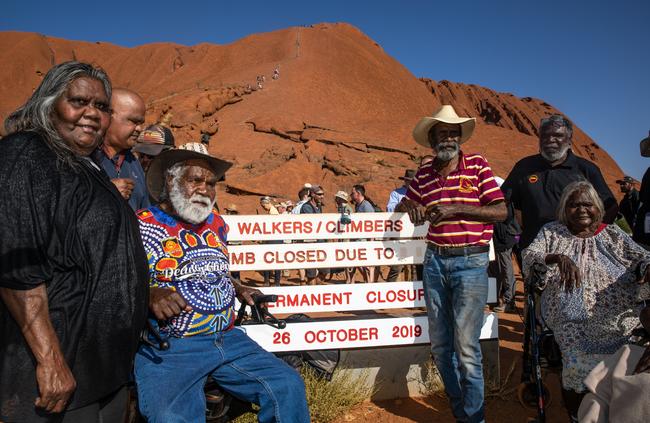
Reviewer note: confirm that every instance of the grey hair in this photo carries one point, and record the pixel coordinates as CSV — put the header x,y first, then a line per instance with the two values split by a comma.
x,y
175,171
36,114
558,121
583,187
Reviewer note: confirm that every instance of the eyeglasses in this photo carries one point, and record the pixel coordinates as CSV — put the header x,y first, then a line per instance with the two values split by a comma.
x,y
320,194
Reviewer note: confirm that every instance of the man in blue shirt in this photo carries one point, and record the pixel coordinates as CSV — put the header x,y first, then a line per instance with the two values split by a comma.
x,y
393,200
396,195
115,156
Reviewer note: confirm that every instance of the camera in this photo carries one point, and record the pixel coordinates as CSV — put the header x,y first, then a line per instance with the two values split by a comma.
x,y
345,216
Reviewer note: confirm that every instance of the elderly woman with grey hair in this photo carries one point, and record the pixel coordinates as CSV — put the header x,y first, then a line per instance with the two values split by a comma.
x,y
73,272
592,285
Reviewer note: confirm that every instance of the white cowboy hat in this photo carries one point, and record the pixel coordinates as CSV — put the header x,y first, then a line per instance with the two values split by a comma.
x,y
446,114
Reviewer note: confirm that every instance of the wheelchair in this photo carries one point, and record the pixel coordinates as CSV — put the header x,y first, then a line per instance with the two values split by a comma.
x,y
221,407
539,350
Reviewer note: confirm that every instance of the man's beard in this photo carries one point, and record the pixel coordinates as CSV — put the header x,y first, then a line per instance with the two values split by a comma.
x,y
445,154
553,156
186,208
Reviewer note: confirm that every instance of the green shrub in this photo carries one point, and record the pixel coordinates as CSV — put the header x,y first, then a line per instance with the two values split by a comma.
x,y
329,400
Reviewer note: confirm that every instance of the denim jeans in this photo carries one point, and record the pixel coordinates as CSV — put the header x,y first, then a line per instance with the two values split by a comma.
x,y
170,383
455,290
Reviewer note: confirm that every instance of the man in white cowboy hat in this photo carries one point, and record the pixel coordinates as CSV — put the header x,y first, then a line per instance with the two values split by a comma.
x,y
535,184
458,195
191,300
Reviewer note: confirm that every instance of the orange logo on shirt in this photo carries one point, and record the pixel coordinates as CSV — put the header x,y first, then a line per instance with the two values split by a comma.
x,y
191,240
532,179
211,239
465,185
172,247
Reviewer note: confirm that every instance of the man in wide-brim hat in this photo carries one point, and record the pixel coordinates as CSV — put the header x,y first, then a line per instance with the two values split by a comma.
x,y
397,194
458,195
191,301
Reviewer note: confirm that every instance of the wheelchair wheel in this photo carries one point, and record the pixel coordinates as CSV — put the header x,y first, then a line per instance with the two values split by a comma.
x,y
527,395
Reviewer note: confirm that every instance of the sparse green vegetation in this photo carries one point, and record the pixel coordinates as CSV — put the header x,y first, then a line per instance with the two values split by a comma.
x,y
328,400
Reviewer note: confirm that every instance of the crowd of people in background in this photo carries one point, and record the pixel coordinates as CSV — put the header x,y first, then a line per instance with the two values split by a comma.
x,y
113,227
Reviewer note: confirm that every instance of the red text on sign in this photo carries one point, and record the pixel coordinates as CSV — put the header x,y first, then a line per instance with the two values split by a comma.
x,y
350,254
395,296
272,228
306,256
407,331
341,335
314,299
281,337
242,258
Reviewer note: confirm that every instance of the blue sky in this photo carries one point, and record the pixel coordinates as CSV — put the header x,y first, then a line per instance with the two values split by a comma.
x,y
590,59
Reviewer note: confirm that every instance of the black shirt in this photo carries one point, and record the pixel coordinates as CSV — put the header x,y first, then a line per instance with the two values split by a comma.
x,y
638,231
629,205
70,229
535,188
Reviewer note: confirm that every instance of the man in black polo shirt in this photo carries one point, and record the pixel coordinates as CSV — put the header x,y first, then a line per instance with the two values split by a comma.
x,y
630,202
535,184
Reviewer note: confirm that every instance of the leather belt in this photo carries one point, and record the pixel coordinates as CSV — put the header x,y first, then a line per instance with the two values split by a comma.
x,y
458,251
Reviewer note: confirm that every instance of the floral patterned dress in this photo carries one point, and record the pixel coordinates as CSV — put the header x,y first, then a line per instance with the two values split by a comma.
x,y
597,318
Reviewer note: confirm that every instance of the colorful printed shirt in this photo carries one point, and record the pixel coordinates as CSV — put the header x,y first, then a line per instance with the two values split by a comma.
x,y
193,261
472,183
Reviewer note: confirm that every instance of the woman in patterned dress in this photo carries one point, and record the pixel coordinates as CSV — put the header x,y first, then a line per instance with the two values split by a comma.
x,y
591,286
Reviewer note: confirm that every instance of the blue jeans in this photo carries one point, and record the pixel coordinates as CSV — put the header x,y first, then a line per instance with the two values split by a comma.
x,y
455,290
170,383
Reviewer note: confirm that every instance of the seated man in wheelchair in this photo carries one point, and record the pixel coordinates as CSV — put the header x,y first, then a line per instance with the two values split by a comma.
x,y
592,284
192,298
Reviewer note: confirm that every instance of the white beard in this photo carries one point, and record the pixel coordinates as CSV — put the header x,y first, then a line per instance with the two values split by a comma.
x,y
446,155
554,156
186,208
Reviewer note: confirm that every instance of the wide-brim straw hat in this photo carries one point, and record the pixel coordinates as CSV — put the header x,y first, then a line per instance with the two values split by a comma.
x,y
446,114
166,159
409,174
342,195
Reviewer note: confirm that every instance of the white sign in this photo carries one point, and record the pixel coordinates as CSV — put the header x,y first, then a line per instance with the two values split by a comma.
x,y
321,226
343,297
317,255
325,254
337,334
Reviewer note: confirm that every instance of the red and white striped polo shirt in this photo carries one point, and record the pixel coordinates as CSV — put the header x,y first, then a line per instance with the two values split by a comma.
x,y
472,183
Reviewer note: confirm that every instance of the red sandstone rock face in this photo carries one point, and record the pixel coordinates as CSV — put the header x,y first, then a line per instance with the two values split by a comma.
x,y
340,113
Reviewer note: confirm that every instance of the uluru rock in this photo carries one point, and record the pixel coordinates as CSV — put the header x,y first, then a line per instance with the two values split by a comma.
x,y
340,113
